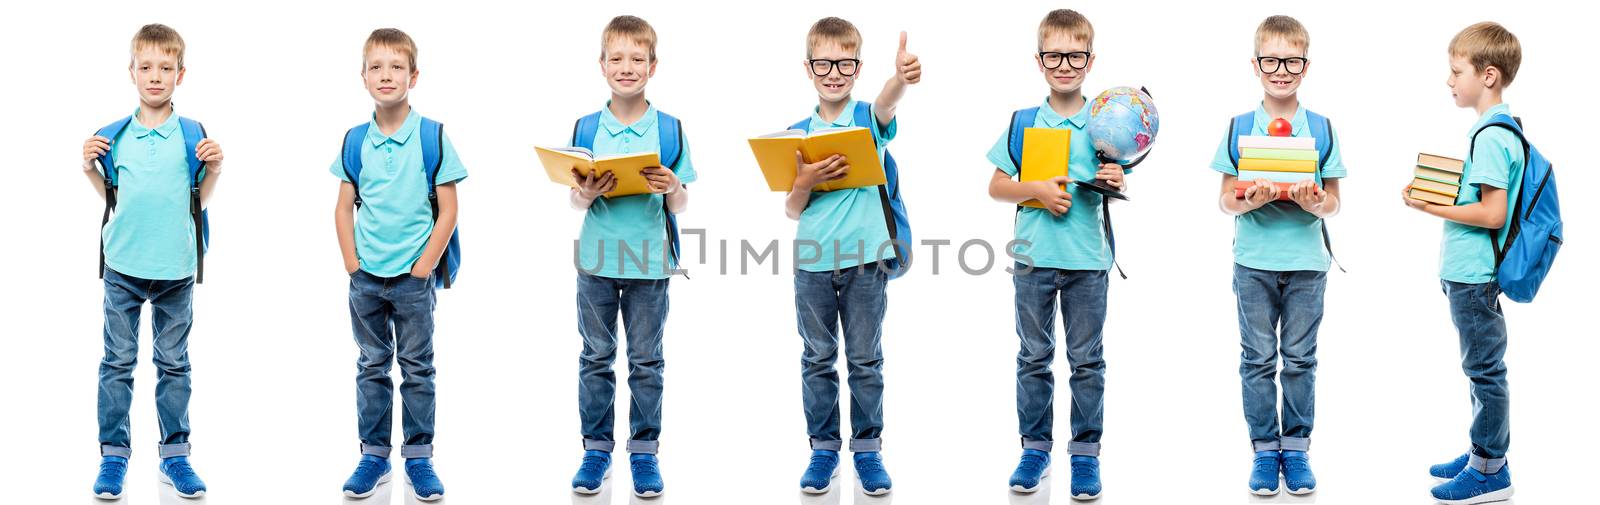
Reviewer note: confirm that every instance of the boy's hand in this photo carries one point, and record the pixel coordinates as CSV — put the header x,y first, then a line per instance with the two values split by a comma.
x,y
1307,195
93,149
591,186
209,152
1049,193
1111,173
350,266
908,66
1405,195
425,271
809,175
1261,194
661,180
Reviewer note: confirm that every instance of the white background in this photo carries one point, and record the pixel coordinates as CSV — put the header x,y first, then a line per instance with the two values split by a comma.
x,y
277,84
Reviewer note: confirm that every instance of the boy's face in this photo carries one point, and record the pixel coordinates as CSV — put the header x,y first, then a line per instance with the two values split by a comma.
x,y
627,66
156,74
1068,77
833,86
1466,84
388,75
1282,82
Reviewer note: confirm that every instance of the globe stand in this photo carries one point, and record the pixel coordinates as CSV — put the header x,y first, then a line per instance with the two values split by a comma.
x,y
1103,188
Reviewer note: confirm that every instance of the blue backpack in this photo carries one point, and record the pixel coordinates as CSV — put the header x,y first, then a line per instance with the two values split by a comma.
x,y
1023,119
193,133
894,208
432,158
670,132
1521,265
1321,130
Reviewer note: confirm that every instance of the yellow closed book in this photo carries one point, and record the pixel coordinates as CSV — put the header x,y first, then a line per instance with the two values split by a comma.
x,y
628,169
1277,165
1045,152
774,153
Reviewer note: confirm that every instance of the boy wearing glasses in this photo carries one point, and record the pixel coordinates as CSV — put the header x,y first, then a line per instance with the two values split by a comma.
x,y
1281,262
625,260
1070,259
839,291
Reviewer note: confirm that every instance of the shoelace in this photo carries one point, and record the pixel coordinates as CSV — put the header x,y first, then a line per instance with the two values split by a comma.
x,y
1265,464
180,470
369,466
422,472
1031,464
820,463
869,465
1083,470
645,467
1296,465
593,464
111,469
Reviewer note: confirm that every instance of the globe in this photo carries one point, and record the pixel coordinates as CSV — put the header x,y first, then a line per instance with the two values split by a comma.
x,y
1122,123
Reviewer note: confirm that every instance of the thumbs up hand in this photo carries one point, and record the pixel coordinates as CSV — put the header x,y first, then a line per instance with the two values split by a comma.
x,y
908,67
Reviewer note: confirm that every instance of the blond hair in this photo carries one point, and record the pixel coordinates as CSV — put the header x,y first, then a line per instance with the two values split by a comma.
x,y
835,30
1069,22
1488,44
1287,28
158,36
630,28
395,39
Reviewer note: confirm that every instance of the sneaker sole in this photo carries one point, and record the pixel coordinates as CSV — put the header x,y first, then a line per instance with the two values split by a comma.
x,y
108,496
1086,497
168,481
646,494
825,489
1493,496
381,480
1025,490
1302,491
595,491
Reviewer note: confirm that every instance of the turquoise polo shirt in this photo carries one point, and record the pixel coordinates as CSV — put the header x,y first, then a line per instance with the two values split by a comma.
x,y
395,219
1280,237
847,226
1077,239
1466,253
151,234
638,222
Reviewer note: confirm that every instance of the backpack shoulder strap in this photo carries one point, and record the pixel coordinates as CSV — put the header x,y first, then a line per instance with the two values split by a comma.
x,y
671,139
1242,124
108,167
193,133
803,125
350,154
1020,121
1322,131
864,110
584,129
432,150
1514,125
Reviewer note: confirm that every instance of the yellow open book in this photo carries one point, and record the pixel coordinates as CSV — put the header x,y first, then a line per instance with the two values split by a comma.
x,y
775,154
1045,152
626,168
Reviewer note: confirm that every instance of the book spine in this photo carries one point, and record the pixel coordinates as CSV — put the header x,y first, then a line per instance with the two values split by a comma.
x,y
1241,186
1277,165
1259,142
1279,154
1252,175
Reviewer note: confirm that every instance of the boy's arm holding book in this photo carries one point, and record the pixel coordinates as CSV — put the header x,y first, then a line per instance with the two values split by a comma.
x,y
1322,202
908,70
807,176
590,187
443,227
1488,212
1056,200
1257,196
664,182
344,224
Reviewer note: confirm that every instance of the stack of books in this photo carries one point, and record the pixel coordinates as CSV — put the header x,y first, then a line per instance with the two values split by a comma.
x,y
1438,179
1282,160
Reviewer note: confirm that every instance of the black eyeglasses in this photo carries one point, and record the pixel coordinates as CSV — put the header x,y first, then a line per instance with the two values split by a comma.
x,y
1269,64
847,67
1075,60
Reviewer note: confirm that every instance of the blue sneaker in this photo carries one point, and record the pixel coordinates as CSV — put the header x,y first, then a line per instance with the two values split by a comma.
x,y
1471,486
1085,477
424,482
646,475
818,478
594,471
370,472
177,472
1032,470
870,475
1449,470
108,485
1297,477
1264,475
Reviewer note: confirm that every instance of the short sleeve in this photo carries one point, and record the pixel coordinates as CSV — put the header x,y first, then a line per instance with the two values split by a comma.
x,y
338,169
450,167
1000,155
1334,168
1223,160
685,168
1494,154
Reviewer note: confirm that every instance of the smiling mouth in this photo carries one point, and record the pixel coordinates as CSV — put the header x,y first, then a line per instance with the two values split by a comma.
x,y
1276,82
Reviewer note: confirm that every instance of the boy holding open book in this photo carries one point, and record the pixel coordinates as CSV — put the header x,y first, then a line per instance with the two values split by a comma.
x,y
625,257
1280,251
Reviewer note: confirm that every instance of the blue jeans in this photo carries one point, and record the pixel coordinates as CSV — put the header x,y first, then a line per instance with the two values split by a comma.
x,y
643,305
392,320
171,313
1475,309
1082,298
1279,312
851,301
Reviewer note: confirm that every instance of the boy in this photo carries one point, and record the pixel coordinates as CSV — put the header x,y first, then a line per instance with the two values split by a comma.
x,y
844,284
1280,263
626,256
1483,61
392,242
150,255
1070,259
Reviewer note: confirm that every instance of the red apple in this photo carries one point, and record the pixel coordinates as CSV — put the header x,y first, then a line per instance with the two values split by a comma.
x,y
1280,128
